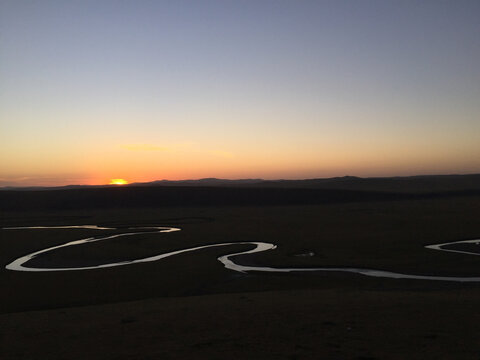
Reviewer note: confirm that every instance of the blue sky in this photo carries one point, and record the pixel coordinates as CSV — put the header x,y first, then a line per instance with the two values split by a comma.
x,y
274,89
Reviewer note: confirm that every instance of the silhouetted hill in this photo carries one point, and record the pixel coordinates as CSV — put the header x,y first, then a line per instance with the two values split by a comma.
x,y
201,182
251,192
408,184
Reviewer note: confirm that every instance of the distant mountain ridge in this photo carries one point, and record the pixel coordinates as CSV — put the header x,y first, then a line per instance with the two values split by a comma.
x,y
413,184
246,192
200,182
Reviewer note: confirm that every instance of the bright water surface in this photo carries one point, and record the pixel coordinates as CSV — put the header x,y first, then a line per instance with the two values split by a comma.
x,y
226,260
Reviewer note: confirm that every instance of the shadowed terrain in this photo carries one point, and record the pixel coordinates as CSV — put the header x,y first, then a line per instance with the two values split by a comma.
x,y
190,306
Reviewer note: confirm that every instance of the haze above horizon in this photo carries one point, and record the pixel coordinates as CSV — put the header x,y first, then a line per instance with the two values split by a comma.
x,y
93,91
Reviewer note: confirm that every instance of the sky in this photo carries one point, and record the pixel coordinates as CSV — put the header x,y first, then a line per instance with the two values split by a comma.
x,y
149,90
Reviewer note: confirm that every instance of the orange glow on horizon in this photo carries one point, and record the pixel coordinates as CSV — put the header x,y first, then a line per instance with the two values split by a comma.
x,y
118,182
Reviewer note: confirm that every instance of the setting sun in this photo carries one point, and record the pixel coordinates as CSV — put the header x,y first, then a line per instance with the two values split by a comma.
x,y
118,182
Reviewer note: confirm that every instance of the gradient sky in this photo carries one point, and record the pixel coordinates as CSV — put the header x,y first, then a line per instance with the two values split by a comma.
x,y
147,90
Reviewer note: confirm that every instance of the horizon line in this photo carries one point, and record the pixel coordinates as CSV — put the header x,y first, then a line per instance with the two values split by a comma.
x,y
13,187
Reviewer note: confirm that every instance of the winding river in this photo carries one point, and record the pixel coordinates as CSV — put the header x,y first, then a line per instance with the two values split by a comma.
x,y
227,260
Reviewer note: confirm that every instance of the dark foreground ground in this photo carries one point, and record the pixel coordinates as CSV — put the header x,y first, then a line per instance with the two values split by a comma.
x,y
190,307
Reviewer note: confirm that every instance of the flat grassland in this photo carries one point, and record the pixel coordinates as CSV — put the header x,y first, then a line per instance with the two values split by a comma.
x,y
190,306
